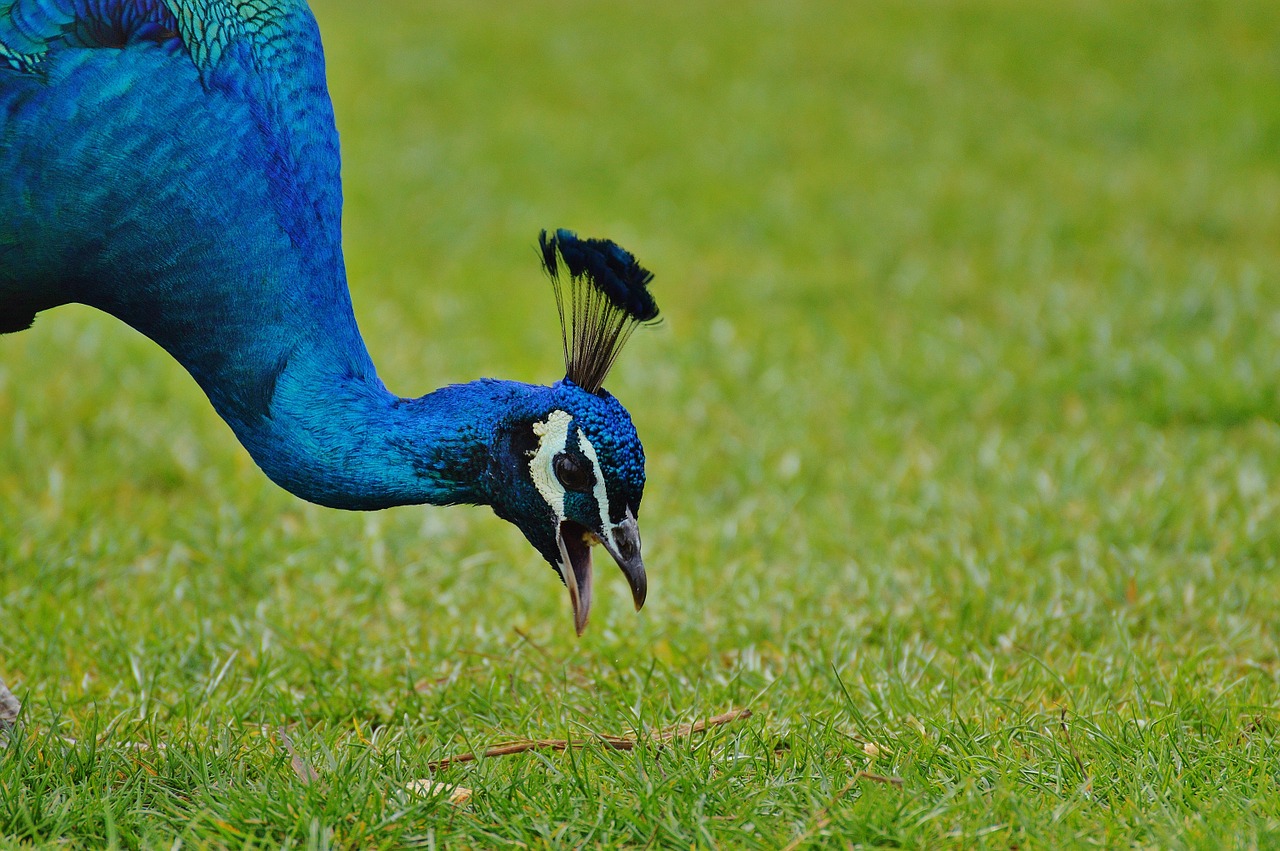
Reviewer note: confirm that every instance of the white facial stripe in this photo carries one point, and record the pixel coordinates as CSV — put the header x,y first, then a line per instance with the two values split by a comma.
x,y
601,492
553,436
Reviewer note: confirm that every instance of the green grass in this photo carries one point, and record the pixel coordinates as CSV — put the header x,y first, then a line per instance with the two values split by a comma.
x,y
962,435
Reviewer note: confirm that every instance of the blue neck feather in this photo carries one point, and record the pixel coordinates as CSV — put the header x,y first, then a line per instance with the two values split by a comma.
x,y
346,442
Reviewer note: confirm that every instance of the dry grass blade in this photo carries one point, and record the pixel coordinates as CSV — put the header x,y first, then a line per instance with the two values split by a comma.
x,y
881,778
9,709
305,772
621,743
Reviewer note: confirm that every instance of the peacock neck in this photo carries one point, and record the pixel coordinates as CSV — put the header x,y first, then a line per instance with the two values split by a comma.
x,y
290,373
341,439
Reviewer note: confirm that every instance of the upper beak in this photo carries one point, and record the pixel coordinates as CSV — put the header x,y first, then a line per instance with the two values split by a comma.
x,y
625,549
575,564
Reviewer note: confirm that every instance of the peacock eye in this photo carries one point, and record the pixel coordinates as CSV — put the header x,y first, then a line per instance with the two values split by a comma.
x,y
573,474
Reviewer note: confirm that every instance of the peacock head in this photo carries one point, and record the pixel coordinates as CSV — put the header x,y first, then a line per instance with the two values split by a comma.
x,y
570,461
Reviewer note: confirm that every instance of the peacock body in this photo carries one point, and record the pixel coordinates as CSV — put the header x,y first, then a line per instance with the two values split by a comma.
x,y
175,164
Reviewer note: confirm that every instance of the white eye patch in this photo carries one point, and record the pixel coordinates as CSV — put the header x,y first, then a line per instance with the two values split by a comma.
x,y
553,439
601,492
553,436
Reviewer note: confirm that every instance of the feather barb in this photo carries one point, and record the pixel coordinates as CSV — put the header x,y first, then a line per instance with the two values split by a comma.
x,y
607,298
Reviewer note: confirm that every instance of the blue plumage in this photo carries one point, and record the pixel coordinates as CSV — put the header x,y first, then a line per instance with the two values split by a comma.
x,y
175,164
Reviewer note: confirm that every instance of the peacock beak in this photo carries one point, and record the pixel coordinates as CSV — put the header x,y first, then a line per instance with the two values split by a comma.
x,y
575,543
625,549
575,569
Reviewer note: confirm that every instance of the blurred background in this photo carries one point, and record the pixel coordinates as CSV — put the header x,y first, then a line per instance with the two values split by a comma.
x,y
969,357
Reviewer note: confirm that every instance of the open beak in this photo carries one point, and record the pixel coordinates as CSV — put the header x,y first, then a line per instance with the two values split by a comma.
x,y
575,543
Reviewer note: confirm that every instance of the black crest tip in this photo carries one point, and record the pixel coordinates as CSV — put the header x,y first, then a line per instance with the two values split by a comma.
x,y
608,297
607,266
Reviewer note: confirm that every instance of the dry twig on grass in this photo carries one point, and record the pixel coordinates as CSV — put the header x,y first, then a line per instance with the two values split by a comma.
x,y
620,743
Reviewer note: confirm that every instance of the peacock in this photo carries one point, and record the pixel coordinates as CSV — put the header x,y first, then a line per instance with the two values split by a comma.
x,y
175,164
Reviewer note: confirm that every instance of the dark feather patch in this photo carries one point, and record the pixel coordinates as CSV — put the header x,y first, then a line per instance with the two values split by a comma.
x,y
608,297
14,318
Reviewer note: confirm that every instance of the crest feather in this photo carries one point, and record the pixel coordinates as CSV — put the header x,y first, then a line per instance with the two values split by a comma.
x,y
608,297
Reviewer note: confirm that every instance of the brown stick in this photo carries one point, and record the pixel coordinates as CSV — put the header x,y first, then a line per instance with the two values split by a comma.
x,y
618,743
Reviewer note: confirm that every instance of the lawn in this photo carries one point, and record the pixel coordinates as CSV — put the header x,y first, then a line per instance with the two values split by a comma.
x,y
964,462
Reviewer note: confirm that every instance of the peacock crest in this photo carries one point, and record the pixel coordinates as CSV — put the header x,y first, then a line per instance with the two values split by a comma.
x,y
608,298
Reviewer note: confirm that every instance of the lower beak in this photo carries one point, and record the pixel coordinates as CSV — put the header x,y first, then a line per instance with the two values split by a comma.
x,y
575,564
